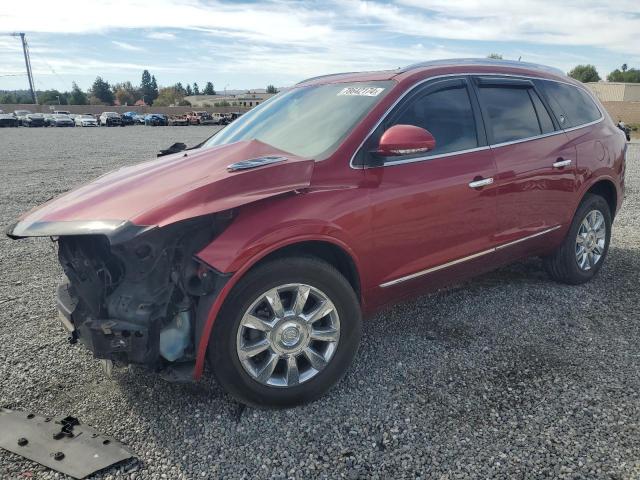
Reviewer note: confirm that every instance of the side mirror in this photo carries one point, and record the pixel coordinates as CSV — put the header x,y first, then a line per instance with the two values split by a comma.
x,y
405,140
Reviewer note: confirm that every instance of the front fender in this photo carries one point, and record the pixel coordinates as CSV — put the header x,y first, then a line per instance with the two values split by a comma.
x,y
263,228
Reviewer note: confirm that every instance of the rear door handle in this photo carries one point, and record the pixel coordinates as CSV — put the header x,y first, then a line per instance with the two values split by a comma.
x,y
561,163
481,183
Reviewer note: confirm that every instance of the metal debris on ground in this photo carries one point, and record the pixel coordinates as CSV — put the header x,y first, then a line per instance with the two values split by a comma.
x,y
62,444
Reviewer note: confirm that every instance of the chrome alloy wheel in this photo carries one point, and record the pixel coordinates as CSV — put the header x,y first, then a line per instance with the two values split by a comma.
x,y
288,335
591,240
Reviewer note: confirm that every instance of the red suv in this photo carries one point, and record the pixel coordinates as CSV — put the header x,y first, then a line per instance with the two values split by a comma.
x,y
259,250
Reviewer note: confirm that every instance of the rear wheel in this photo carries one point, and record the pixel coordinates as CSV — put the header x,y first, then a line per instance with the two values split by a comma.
x,y
586,245
287,333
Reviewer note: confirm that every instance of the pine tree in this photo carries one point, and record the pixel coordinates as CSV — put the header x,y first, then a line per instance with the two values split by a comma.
x,y
196,89
208,89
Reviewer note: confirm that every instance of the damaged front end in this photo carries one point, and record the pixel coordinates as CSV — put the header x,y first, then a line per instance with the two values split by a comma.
x,y
142,300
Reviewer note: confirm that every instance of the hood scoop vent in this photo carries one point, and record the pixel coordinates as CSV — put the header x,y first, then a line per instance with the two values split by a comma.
x,y
255,162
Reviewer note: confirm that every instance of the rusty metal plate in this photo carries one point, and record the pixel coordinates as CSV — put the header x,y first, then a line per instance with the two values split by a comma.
x,y
62,444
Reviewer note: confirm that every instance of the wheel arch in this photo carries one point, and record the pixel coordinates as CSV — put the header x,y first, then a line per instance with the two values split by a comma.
x,y
327,249
330,252
606,189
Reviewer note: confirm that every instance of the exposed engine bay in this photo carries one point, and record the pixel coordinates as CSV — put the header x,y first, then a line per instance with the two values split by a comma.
x,y
141,300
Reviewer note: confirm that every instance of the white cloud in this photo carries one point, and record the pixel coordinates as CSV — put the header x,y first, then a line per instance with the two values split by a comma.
x,y
596,23
127,46
161,36
283,41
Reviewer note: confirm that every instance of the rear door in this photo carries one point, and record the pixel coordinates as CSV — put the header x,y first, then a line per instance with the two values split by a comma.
x,y
535,163
428,216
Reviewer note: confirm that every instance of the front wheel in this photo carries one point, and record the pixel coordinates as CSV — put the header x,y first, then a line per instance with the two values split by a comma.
x,y
586,245
287,333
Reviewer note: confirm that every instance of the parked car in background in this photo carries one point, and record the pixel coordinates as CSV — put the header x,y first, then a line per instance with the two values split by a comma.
x,y
136,117
126,120
130,118
234,116
21,115
61,120
200,118
260,251
8,120
34,120
48,117
220,118
155,120
109,119
62,112
178,120
86,120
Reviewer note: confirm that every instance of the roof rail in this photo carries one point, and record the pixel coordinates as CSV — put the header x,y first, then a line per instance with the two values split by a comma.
x,y
324,76
485,61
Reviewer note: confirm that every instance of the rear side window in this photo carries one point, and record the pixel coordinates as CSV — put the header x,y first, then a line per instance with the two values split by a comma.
x,y
512,115
571,105
447,114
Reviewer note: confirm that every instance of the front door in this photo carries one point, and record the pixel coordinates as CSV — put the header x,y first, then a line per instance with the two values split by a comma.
x,y
438,210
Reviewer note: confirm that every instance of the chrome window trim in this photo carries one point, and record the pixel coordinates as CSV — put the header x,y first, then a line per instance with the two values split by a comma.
x,y
432,157
496,145
466,259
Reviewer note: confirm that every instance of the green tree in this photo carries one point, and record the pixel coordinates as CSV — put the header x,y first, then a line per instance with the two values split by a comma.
x,y
495,56
8,98
629,75
196,89
101,92
126,93
154,87
169,96
585,73
208,89
148,88
271,89
77,96
188,90
52,97
178,86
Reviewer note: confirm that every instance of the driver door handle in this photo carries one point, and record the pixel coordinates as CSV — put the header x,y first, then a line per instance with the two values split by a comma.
x,y
561,163
481,183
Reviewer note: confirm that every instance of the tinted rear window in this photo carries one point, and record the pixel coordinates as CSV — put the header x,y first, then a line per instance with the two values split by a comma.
x,y
511,113
571,105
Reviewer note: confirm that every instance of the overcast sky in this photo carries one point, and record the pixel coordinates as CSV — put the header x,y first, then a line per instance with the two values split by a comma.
x,y
252,44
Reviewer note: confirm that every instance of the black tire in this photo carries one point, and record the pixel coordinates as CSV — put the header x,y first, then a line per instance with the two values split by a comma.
x,y
222,351
562,265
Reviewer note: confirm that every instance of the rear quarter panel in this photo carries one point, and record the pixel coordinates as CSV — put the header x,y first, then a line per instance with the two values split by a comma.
x,y
600,151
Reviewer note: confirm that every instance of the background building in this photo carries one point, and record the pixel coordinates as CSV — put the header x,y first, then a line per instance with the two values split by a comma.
x,y
622,100
246,100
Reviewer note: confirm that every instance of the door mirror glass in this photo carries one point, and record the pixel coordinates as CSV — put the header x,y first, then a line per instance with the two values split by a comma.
x,y
405,140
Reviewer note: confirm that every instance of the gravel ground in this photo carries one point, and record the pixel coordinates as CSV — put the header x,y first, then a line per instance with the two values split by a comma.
x,y
508,376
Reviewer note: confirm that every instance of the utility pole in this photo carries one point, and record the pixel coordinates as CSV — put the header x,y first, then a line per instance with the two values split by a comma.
x,y
27,61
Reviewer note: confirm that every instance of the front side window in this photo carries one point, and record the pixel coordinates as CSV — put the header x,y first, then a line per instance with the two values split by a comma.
x,y
447,114
511,113
307,121
571,105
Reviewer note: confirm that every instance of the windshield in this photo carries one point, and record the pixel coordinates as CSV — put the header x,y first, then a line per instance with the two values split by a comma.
x,y
22,112
60,115
306,121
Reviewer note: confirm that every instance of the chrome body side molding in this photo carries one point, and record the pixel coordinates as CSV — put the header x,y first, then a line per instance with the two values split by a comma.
x,y
465,259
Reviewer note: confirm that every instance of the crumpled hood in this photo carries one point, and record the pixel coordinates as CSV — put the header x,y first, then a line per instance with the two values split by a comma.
x,y
169,189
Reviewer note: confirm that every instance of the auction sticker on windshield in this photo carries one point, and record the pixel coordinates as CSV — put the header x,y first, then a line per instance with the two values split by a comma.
x,y
361,91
